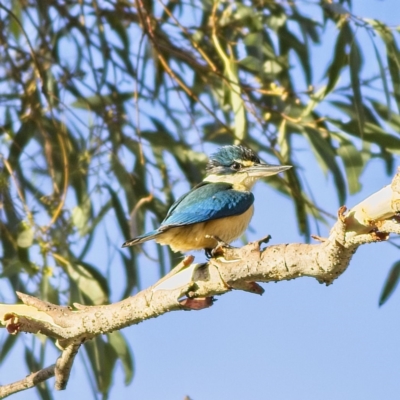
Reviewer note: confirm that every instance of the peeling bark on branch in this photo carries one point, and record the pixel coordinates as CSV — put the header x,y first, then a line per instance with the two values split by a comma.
x,y
192,286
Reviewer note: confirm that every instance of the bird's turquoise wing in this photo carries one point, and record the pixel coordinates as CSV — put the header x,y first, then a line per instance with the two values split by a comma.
x,y
205,202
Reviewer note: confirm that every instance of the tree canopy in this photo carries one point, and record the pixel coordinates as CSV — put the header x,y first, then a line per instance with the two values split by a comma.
x,y
107,106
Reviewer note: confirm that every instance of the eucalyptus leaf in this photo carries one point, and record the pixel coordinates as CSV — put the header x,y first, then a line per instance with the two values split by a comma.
x,y
25,237
102,358
7,345
355,63
89,281
121,348
393,58
325,154
339,59
391,283
353,163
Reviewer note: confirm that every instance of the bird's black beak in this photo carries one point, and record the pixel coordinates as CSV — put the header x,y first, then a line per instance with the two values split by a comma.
x,y
263,170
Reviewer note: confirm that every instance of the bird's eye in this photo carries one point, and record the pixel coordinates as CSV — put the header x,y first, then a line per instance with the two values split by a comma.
x,y
236,166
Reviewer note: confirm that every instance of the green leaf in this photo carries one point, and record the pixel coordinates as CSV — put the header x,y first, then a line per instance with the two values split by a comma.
x,y
98,102
340,59
300,205
254,44
283,141
127,183
277,20
384,112
234,88
309,27
34,365
12,267
7,345
216,133
102,358
391,283
119,212
15,28
125,57
121,348
381,138
372,134
47,291
25,237
117,26
336,8
131,273
90,228
392,55
382,73
191,162
272,67
89,281
325,154
290,41
81,216
388,160
394,69
251,64
353,162
355,67
348,108
20,140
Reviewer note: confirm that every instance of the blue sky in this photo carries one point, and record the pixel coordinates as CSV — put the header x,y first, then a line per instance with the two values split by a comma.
x,y
300,340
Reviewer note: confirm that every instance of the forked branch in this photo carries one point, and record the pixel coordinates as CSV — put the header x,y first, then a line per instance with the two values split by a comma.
x,y
193,286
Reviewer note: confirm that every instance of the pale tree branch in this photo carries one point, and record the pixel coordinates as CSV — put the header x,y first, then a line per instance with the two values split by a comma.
x,y
33,379
64,366
193,286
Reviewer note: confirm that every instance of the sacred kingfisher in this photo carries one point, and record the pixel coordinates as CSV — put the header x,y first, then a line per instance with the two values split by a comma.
x,y
220,206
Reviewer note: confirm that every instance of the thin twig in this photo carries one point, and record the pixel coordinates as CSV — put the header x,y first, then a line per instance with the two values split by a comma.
x,y
33,379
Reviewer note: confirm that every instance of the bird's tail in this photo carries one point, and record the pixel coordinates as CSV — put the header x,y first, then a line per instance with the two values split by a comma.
x,y
141,238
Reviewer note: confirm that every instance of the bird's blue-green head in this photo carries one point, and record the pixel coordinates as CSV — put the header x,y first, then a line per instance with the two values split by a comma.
x,y
239,166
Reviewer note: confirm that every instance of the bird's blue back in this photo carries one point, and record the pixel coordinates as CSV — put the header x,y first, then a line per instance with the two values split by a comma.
x,y
207,201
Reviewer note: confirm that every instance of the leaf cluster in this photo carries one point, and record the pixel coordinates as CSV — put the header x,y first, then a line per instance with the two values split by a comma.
x,y
106,106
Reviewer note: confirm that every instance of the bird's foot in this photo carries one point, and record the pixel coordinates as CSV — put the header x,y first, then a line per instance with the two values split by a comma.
x,y
208,253
219,249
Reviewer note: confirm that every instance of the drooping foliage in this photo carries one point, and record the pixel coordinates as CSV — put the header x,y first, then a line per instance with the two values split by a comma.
x,y
106,106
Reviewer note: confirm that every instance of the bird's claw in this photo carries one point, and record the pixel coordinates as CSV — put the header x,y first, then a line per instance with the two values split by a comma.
x,y
219,249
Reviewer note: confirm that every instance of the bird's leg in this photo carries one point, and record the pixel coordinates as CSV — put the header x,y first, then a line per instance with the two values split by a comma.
x,y
208,253
218,250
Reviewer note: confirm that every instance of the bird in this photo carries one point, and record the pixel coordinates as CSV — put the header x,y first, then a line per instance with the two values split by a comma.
x,y
218,209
